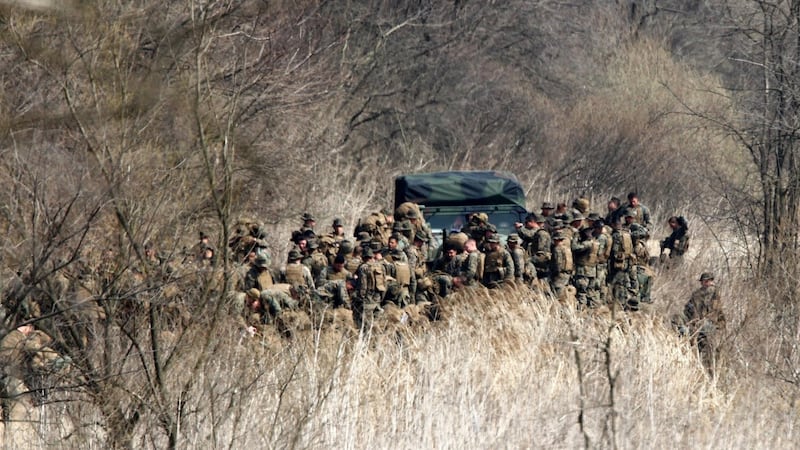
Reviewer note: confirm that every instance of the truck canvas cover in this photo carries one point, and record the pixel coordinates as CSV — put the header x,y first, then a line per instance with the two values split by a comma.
x,y
464,188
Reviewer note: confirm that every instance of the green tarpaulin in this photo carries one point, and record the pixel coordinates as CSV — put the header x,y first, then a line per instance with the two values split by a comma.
x,y
466,188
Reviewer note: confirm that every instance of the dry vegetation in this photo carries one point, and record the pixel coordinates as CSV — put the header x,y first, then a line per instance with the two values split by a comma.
x,y
122,124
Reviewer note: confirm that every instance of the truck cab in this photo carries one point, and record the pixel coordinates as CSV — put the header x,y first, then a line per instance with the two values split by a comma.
x,y
447,199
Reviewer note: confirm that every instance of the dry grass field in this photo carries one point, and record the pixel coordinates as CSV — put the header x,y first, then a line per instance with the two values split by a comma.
x,y
502,369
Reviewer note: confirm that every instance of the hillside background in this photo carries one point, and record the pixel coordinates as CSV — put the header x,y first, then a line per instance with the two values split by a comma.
x,y
125,123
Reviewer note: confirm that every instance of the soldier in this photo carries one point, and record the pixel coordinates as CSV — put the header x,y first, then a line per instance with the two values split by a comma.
x,y
248,236
620,278
377,225
296,273
547,214
370,289
418,223
702,319
677,243
585,252
315,260
526,231
309,222
26,359
476,227
640,212
561,266
518,256
259,311
575,224
403,232
472,261
335,292
259,275
603,238
196,252
443,270
337,270
538,244
420,250
398,290
641,259
351,259
498,266
338,230
614,211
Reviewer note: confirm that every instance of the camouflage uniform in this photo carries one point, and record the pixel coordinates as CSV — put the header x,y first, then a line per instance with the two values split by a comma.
x,y
641,215
538,243
470,262
498,266
334,292
702,319
398,290
420,268
297,274
443,270
333,274
585,252
604,243
258,276
644,274
518,256
351,261
260,308
622,282
370,289
561,266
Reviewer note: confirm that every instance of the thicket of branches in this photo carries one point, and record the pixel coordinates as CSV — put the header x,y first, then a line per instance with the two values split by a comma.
x,y
128,124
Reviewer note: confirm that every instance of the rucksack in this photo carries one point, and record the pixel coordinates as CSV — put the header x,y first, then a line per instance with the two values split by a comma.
x,y
375,277
402,273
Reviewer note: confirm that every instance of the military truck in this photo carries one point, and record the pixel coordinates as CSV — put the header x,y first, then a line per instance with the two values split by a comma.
x,y
447,199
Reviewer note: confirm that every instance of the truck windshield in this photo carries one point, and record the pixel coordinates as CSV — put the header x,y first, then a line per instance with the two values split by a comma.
x,y
453,222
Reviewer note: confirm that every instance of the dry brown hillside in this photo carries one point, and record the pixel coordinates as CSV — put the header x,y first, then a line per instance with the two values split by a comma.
x,y
126,125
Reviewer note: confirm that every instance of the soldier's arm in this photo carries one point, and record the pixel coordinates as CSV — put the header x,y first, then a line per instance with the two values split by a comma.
x,y
508,262
526,234
578,247
646,218
309,279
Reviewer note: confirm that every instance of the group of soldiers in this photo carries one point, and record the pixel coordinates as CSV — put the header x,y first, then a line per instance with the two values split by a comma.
x,y
560,251
393,257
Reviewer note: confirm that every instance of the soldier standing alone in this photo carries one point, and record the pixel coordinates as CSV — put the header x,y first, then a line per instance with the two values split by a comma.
x,y
702,319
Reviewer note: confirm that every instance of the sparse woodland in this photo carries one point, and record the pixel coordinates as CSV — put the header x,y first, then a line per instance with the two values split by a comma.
x,y
128,123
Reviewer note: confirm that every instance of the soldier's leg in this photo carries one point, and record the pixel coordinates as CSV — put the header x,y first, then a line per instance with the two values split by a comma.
x,y
633,289
445,283
619,287
593,293
581,284
645,283
272,306
558,284
368,313
357,306
602,285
